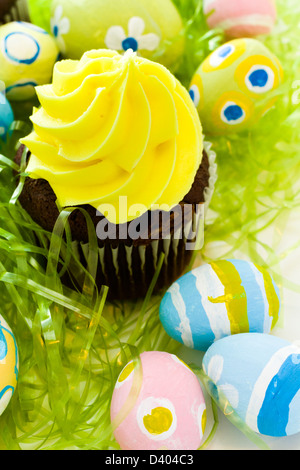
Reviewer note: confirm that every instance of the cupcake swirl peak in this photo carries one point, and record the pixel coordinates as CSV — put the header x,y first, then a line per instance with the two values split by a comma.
x,y
113,126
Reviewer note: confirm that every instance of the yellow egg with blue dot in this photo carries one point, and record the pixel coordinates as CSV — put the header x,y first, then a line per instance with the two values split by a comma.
x,y
9,364
27,57
235,86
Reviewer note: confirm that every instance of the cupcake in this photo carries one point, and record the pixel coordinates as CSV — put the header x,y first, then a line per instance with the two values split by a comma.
x,y
120,137
13,10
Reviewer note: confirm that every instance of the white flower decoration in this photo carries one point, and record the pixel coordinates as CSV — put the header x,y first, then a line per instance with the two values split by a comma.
x,y
117,39
214,372
59,26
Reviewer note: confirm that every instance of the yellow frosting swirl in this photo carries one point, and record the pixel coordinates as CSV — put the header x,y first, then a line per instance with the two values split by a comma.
x,y
113,126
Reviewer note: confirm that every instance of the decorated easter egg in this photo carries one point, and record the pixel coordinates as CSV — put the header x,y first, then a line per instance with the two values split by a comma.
x,y
159,405
240,18
9,364
149,27
259,377
27,57
6,116
219,299
234,86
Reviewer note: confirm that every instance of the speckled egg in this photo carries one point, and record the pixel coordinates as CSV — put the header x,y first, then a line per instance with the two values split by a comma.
x,y
219,299
27,57
6,116
9,364
259,375
234,86
240,18
150,27
158,406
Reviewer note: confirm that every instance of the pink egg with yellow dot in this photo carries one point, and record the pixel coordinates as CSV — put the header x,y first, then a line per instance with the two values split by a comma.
x,y
158,404
240,18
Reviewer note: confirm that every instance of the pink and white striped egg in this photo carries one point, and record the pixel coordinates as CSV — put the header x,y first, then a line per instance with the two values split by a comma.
x,y
241,18
158,406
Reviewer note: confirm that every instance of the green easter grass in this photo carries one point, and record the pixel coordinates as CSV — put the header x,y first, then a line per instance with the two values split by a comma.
x,y
72,344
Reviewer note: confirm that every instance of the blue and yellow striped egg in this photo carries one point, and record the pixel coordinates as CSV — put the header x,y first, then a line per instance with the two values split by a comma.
x,y
258,375
9,364
6,116
219,299
234,86
27,57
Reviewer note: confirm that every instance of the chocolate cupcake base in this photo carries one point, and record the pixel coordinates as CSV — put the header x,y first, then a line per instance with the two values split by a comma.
x,y
127,263
128,269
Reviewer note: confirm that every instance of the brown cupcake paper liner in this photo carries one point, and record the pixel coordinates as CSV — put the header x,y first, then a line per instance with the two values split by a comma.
x,y
128,269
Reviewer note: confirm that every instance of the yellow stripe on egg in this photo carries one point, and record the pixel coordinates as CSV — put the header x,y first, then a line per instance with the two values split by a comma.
x,y
234,297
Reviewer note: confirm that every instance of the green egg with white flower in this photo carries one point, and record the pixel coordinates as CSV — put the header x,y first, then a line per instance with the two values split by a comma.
x,y
152,28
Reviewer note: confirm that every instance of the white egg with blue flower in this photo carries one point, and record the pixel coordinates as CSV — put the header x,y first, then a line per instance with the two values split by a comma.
x,y
151,28
27,57
235,86
6,116
223,298
258,375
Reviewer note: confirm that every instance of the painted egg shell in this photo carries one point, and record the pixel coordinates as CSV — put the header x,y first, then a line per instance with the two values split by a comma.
x,y
9,364
6,116
81,25
170,411
27,58
259,375
232,88
240,18
223,298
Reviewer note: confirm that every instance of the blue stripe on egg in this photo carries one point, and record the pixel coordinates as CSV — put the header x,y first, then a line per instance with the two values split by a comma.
x,y
171,318
183,316
280,393
294,407
199,322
